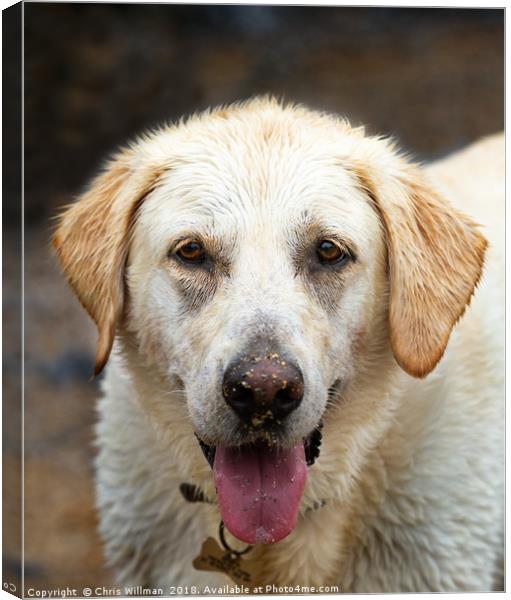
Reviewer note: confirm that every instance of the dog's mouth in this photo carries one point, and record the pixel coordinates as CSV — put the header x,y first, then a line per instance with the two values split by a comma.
x,y
260,486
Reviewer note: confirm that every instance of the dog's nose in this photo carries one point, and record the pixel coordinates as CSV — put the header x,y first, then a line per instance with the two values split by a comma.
x,y
262,389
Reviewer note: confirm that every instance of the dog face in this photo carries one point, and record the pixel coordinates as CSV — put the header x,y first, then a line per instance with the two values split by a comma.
x,y
259,258
241,263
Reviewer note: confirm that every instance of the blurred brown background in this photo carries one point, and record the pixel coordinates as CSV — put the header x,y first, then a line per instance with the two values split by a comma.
x,y
97,74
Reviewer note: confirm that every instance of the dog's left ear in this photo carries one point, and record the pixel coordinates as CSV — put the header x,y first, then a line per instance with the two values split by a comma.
x,y
91,242
435,260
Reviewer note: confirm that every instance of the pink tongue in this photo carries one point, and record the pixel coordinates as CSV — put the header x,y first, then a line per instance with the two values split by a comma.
x,y
259,490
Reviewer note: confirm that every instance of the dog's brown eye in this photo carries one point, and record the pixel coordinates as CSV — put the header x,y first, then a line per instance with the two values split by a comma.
x,y
192,252
331,253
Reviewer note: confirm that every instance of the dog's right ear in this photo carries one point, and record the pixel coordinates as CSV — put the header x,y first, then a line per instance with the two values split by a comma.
x,y
92,240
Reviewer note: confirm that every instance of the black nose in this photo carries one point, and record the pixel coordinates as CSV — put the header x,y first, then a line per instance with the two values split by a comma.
x,y
262,389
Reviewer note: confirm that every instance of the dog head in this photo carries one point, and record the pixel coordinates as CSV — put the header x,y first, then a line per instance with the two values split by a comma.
x,y
257,258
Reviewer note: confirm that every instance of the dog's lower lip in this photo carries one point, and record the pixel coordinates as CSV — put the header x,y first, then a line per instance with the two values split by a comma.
x,y
312,447
208,451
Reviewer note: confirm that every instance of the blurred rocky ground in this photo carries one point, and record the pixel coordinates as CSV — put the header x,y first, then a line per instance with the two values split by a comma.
x,y
96,75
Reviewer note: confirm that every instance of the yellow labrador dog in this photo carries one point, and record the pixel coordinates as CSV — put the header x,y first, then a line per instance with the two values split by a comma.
x,y
284,304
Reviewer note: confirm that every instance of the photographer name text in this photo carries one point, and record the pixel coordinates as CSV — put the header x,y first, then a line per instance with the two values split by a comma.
x,y
192,590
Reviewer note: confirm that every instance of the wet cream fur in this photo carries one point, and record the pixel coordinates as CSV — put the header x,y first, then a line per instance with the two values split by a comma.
x,y
411,465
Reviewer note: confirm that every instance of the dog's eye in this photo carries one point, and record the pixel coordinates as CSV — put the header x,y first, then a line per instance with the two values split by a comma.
x,y
330,253
192,252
